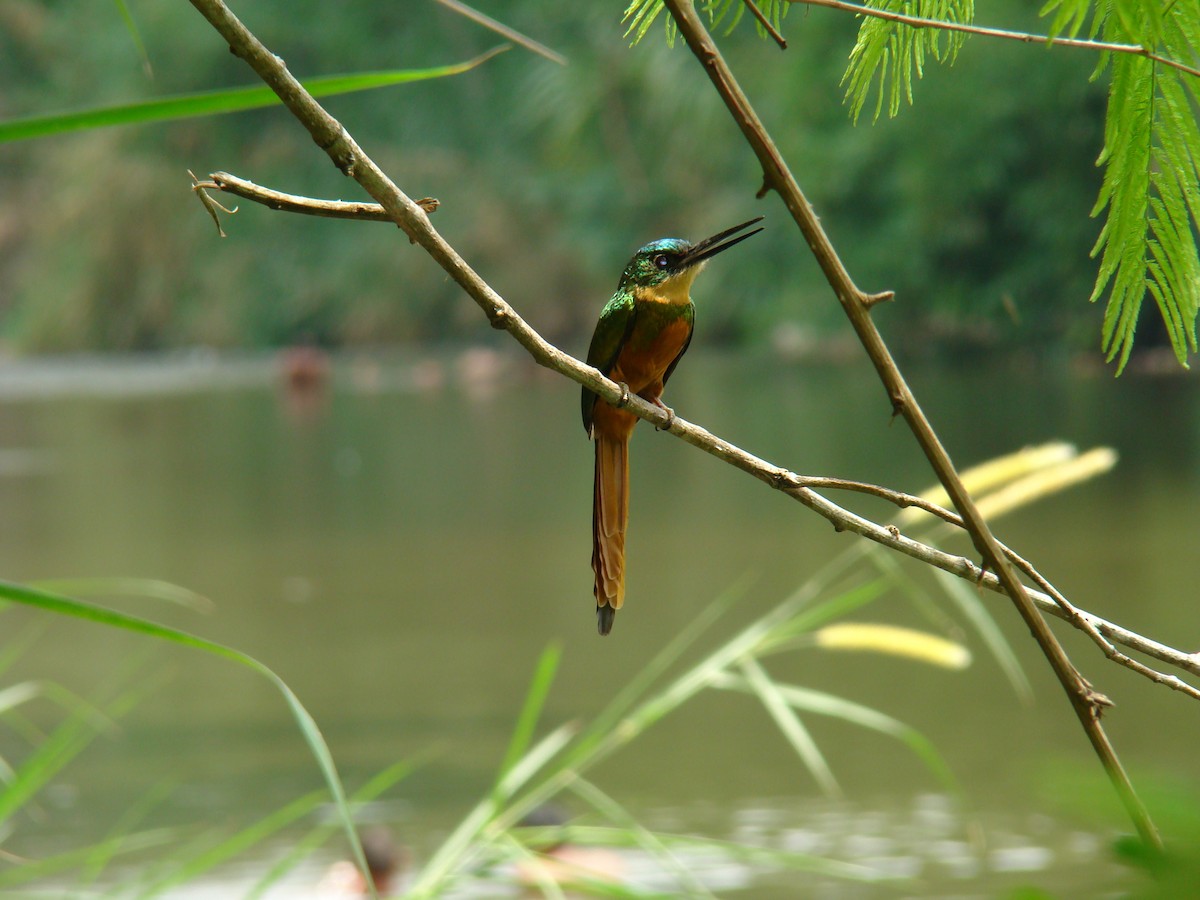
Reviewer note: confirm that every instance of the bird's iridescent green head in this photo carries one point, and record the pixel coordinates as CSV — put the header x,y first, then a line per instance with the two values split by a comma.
x,y
677,260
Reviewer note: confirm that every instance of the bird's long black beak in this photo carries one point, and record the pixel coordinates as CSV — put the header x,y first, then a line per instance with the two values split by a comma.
x,y
710,247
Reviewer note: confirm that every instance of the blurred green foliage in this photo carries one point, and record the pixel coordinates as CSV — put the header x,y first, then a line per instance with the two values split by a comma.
x,y
973,205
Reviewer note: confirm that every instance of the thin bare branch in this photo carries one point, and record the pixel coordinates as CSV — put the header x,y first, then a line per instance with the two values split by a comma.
x,y
504,30
1087,704
209,204
919,22
332,209
766,24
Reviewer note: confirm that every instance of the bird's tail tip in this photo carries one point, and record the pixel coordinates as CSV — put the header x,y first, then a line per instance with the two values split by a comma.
x,y
604,618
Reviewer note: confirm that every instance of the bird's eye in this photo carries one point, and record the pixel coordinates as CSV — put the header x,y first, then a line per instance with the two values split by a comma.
x,y
662,261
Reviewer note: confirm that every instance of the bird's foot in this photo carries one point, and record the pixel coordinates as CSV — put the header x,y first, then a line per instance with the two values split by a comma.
x,y
670,416
624,399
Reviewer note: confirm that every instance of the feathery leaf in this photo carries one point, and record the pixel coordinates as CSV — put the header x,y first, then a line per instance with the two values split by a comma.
x,y
1151,187
890,53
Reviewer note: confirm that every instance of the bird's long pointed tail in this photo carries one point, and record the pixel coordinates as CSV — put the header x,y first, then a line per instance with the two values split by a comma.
x,y
610,513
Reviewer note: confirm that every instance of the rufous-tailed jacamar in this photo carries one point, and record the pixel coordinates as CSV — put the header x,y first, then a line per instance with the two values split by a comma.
x,y
643,332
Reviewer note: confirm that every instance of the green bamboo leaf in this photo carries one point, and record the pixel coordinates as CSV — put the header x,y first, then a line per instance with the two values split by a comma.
x,y
185,106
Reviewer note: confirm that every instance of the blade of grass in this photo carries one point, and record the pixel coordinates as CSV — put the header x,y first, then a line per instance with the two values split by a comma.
x,y
59,863
610,729
991,475
534,870
55,751
458,848
790,725
803,623
190,869
55,603
135,35
823,704
316,837
531,710
646,839
971,605
16,694
605,723
113,843
207,103
150,588
16,645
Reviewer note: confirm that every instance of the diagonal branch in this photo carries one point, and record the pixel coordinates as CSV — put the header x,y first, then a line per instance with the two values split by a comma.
x,y
1086,702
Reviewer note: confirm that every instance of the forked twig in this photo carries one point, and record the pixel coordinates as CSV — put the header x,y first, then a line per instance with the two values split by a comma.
x,y
331,209
209,204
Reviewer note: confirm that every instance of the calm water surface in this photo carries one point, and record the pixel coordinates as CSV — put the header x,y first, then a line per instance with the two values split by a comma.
x,y
401,546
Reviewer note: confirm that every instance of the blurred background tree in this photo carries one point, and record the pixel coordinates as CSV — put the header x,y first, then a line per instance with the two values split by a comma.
x,y
973,205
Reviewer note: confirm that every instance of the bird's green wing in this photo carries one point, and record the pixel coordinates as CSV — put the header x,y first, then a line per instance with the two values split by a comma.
x,y
616,322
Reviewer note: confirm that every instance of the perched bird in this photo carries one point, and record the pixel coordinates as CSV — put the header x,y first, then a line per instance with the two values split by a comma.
x,y
642,333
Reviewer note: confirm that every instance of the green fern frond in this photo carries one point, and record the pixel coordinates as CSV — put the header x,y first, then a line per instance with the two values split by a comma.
x,y
641,14
889,54
718,9
772,10
1069,16
1151,187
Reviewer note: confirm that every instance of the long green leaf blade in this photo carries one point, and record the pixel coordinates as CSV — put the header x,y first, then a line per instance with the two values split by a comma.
x,y
535,699
208,103
78,609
